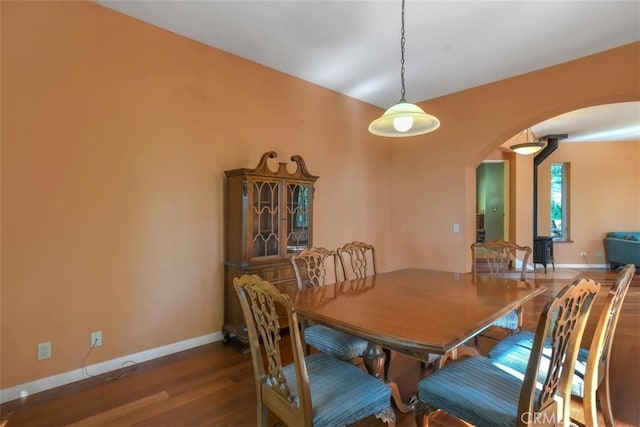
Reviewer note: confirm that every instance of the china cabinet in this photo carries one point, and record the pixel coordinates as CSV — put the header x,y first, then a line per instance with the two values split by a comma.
x,y
268,218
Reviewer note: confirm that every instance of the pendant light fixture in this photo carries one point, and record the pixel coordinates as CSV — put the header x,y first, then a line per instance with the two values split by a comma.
x,y
404,118
531,146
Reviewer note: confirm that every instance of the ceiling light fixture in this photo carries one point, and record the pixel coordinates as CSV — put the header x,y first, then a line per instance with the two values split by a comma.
x,y
404,118
531,146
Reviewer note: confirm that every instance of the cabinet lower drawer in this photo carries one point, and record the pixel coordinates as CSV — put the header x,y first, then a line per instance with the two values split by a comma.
x,y
280,275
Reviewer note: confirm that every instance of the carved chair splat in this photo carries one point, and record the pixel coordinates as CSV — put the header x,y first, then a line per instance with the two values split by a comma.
x,y
358,260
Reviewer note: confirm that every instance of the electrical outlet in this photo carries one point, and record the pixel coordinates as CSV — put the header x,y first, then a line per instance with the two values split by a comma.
x,y
583,254
96,339
599,254
44,350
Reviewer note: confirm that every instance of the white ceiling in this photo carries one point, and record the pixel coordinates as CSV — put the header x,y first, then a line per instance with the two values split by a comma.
x,y
353,46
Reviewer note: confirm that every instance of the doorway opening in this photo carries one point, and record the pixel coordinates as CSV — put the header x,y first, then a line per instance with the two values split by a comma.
x,y
492,200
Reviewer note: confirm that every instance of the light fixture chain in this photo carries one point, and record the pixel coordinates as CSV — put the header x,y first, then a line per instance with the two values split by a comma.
x,y
402,42
403,118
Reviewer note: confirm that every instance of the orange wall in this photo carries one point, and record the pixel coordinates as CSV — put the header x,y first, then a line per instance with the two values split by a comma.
x,y
115,136
433,176
604,196
114,141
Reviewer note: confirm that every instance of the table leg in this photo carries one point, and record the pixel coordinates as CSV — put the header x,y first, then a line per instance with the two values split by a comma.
x,y
374,360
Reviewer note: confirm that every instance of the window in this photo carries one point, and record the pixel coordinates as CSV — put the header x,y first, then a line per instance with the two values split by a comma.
x,y
560,201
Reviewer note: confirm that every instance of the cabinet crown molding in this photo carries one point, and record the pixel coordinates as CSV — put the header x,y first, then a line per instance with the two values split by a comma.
x,y
263,169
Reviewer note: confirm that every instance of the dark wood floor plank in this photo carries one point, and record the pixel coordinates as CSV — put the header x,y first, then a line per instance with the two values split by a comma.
x,y
115,415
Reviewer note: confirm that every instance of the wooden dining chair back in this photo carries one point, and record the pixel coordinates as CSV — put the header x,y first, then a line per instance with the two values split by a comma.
x,y
596,379
358,260
503,259
591,375
312,390
316,267
485,393
563,320
500,258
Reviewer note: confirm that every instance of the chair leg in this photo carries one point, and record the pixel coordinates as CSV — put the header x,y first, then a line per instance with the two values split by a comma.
x,y
388,416
263,415
604,396
588,409
422,413
307,348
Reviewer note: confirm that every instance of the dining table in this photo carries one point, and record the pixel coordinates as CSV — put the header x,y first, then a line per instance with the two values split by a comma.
x,y
417,312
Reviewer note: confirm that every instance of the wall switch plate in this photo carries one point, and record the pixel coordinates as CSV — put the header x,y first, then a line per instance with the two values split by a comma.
x,y
44,350
456,228
96,339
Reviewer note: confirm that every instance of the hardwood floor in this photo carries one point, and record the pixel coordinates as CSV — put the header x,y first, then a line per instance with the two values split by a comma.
x,y
214,384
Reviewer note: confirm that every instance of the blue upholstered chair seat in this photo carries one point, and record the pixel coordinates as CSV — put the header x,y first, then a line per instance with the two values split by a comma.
x,y
490,400
513,353
510,321
333,404
336,343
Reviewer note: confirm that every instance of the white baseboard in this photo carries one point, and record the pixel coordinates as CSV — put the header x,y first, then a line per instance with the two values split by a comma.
x,y
578,266
24,390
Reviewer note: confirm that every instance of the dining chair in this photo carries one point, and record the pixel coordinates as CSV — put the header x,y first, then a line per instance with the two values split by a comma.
x,y
358,260
591,375
504,259
312,390
316,267
484,393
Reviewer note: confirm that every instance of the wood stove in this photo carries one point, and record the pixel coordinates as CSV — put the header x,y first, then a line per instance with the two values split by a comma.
x,y
543,252
542,245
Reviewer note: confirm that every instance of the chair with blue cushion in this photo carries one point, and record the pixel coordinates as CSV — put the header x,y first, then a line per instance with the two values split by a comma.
x,y
591,376
316,267
484,393
313,390
503,259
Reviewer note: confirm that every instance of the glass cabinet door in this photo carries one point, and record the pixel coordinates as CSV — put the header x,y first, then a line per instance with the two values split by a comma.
x,y
264,211
298,208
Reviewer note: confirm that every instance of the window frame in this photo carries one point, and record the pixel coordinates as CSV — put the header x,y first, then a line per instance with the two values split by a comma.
x,y
562,233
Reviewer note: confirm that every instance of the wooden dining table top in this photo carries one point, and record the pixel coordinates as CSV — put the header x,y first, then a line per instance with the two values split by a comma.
x,y
415,311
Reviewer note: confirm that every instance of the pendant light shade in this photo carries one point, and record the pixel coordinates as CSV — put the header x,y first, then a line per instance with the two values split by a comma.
x,y
528,147
531,146
404,118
